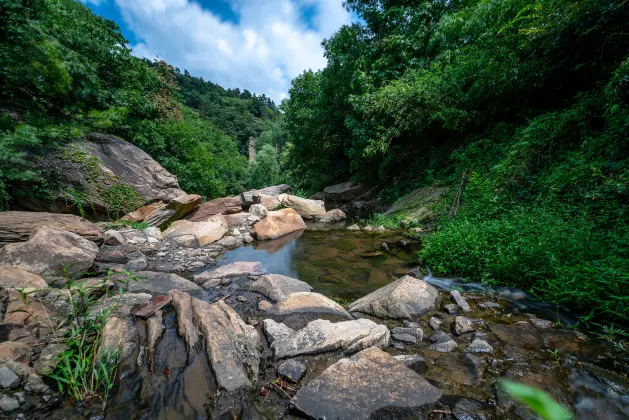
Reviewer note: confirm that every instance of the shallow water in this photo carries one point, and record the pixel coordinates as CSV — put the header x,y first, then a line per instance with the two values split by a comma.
x,y
335,262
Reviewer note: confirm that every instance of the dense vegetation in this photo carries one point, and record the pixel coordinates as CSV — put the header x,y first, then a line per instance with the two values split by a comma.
x,y
521,107
65,71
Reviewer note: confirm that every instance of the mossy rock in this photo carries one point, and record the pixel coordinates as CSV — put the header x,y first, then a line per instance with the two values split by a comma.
x,y
420,205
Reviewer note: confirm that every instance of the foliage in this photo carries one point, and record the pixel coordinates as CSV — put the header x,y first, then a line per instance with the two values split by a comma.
x,y
390,222
265,168
540,402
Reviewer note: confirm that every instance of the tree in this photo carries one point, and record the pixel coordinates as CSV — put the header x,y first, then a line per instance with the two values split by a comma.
x,y
265,168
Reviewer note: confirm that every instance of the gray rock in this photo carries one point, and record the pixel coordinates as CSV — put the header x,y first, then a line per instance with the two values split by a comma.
x,y
258,210
476,366
48,358
370,382
490,305
405,338
416,332
344,192
435,323
153,232
292,369
333,216
443,347
413,361
450,309
456,296
159,283
479,346
230,242
406,297
8,404
541,323
278,287
137,264
462,325
8,379
322,336
309,303
439,337
275,331
242,299
354,228
237,270
119,334
113,237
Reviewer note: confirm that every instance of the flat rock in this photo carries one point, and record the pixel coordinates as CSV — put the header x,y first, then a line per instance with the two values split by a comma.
x,y
140,214
462,325
176,208
275,330
155,305
194,234
119,334
17,226
542,324
13,278
439,337
278,287
160,283
26,311
293,370
333,216
8,404
517,335
321,336
365,386
308,209
456,296
49,250
413,331
233,347
14,350
405,338
230,272
226,205
309,303
279,223
406,297
344,192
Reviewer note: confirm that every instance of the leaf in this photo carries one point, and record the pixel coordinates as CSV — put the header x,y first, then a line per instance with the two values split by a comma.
x,y
537,400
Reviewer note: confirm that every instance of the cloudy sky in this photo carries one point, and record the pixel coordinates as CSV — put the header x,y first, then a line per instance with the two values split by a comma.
x,y
258,45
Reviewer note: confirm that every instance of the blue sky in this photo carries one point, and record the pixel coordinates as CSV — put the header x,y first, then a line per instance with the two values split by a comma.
x,y
260,45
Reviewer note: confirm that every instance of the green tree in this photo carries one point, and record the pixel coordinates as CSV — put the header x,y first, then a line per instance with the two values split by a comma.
x,y
265,168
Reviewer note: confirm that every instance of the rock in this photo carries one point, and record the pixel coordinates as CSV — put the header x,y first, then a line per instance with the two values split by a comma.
x,y
159,283
293,370
155,305
344,192
403,243
370,384
113,238
413,361
489,305
456,296
227,205
435,323
372,254
279,223
26,311
13,278
444,347
174,210
278,287
384,246
17,226
321,336
137,264
518,336
265,306
354,228
309,303
450,309
8,379
462,325
406,297
229,242
308,209
368,228
49,250
258,210
142,213
155,329
185,325
333,216
153,232
16,351
439,337
111,256
276,331
274,190
194,234
48,358
414,332
476,368
8,404
230,272
539,323
119,334
317,196
405,338
247,239
232,345
419,205
479,346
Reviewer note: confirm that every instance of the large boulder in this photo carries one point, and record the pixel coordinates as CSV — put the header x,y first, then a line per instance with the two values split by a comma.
x,y
48,251
279,223
227,205
406,297
308,209
194,234
112,176
419,205
142,213
13,278
370,384
16,226
344,192
321,336
278,287
176,209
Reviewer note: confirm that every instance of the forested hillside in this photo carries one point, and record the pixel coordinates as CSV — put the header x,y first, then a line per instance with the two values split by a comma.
x,y
520,107
65,71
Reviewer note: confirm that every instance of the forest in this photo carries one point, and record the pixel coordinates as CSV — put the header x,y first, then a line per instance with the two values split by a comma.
x,y
518,107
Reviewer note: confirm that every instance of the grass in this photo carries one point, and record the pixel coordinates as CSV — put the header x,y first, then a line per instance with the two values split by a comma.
x,y
391,222
122,224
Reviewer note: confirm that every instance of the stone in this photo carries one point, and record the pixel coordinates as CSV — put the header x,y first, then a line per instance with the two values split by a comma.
x,y
278,287
26,311
13,278
48,250
519,336
418,206
479,346
405,338
233,347
490,305
542,324
242,299
370,384
413,361
230,272
456,296
344,192
8,379
309,303
185,324
413,331
333,216
113,238
308,209
354,228
176,208
247,239
276,331
111,256
140,214
155,305
194,234
258,210
321,336
155,330
406,297
8,404
293,370
17,226
229,242
16,351
137,264
443,347
279,223
265,306
439,337
462,325
153,232
450,309
227,205
48,358
119,334
156,283
435,323
274,190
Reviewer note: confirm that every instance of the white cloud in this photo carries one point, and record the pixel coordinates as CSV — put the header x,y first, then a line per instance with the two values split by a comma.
x,y
271,44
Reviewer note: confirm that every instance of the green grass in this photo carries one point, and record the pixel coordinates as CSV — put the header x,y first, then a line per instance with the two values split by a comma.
x,y
391,222
122,224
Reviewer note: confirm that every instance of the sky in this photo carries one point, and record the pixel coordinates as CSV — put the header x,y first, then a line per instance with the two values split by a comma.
x,y
259,45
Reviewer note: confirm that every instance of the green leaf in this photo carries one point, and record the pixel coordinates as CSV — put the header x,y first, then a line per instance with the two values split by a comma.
x,y
538,401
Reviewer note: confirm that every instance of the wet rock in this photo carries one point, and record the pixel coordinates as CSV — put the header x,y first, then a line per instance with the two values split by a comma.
x,y
13,278
466,409
364,386
119,334
517,336
113,238
49,250
479,346
450,309
406,297
279,223
8,379
17,226
137,264
258,210
405,338
8,404
435,323
308,209
293,370
16,351
309,303
278,287
413,361
344,192
48,358
159,283
155,305
232,345
226,205
155,329
541,323
456,296
185,325
443,347
333,216
462,325
476,366
230,272
194,234
322,336
354,228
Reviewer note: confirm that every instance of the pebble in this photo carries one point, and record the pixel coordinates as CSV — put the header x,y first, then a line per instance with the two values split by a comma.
x,y
8,404
435,323
292,369
242,299
439,337
462,325
384,246
445,347
8,379
456,295
479,346
450,308
354,227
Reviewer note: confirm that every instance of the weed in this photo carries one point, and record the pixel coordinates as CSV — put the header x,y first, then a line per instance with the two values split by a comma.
x,y
391,222
121,224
